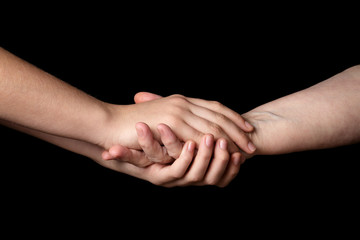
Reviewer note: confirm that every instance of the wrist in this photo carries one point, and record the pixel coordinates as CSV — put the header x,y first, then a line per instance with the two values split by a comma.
x,y
101,122
116,127
261,121
275,134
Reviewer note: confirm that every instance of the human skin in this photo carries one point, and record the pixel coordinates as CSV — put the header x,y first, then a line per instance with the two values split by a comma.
x,y
210,165
37,100
325,115
41,105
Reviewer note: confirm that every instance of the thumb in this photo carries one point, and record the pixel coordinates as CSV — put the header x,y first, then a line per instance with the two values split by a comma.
x,y
145,97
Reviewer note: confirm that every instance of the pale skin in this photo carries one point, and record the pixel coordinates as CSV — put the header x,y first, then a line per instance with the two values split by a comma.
x,y
189,168
325,115
322,116
44,106
35,99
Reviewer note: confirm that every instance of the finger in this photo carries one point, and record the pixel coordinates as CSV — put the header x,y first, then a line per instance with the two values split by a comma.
x,y
183,130
213,120
218,164
152,148
224,117
171,142
145,96
169,175
186,132
106,155
119,152
212,105
201,162
220,108
203,125
232,169
180,165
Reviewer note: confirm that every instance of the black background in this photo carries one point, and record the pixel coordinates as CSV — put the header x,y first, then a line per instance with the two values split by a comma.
x,y
240,61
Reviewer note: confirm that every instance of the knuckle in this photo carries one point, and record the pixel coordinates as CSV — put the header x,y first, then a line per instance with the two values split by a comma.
x,y
177,95
177,174
175,154
144,145
210,181
174,122
193,179
224,161
172,118
215,129
169,142
217,105
178,99
220,117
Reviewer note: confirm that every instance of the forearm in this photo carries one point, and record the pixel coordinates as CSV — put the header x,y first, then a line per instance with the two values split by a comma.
x,y
323,116
38,100
80,147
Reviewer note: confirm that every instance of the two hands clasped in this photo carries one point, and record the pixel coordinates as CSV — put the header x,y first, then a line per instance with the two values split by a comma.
x,y
176,140
169,162
198,142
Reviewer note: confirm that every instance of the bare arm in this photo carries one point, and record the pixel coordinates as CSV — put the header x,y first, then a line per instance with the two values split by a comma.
x,y
219,171
323,116
38,100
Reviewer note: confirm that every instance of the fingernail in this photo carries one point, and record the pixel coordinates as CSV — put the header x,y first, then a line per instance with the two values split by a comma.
x,y
223,144
248,125
208,141
190,146
251,147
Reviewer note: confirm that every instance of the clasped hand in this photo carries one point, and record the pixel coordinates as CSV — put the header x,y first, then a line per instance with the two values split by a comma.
x,y
164,154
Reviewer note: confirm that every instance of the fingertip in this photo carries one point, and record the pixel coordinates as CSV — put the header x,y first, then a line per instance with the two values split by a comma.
x,y
106,155
248,126
166,134
236,158
163,128
187,153
209,140
181,164
117,151
222,144
145,96
251,147
190,146
142,129
140,125
138,97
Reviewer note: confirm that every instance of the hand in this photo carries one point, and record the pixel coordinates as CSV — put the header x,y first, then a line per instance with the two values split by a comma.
x,y
185,170
212,164
146,96
189,118
152,150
